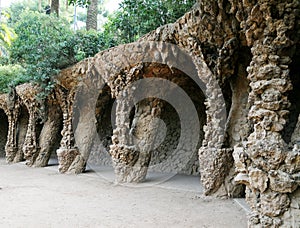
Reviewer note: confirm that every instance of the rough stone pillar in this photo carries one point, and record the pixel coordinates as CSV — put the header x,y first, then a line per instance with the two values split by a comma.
x,y
133,139
68,154
264,164
124,154
30,146
12,112
49,134
215,161
85,132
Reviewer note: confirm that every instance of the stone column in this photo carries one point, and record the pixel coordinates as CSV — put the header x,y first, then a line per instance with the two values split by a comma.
x,y
85,133
12,112
30,146
133,139
68,154
264,163
124,153
215,161
49,134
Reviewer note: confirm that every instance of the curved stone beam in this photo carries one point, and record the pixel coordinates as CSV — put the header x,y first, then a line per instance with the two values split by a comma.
x,y
85,131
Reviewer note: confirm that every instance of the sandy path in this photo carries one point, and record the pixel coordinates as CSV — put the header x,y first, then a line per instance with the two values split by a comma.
x,y
43,198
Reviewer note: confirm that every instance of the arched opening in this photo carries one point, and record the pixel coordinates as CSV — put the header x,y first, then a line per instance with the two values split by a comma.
x,y
58,136
22,130
100,151
164,154
3,132
165,158
55,123
150,60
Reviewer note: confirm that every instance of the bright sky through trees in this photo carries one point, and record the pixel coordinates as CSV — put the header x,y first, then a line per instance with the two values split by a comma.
x,y
111,5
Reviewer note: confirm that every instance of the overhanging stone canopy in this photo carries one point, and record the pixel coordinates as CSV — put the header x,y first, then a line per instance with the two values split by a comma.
x,y
243,57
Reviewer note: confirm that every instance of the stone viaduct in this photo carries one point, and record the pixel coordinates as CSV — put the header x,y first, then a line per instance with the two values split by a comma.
x,y
239,63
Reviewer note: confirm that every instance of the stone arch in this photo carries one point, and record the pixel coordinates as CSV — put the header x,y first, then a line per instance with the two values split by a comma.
x,y
165,158
166,150
106,66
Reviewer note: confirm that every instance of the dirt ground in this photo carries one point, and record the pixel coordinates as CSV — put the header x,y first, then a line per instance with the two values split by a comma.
x,y
41,197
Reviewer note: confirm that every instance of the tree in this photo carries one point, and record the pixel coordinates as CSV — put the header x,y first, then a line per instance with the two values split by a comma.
x,y
82,3
42,47
55,6
138,17
92,13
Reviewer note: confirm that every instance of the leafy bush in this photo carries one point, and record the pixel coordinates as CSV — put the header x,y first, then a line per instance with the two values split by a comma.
x,y
138,17
46,44
11,75
87,44
42,46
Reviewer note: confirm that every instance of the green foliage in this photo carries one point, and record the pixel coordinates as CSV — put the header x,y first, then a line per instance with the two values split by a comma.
x,y
42,46
138,17
7,35
17,8
11,75
87,44
45,44
82,3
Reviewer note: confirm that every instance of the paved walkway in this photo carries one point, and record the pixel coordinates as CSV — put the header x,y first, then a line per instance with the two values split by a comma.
x,y
41,197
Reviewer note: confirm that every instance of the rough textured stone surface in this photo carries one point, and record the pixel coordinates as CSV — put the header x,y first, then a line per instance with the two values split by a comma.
x,y
268,27
30,148
246,55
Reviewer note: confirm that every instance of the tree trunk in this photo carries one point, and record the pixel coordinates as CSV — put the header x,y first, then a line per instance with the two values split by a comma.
x,y
55,6
40,5
92,13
